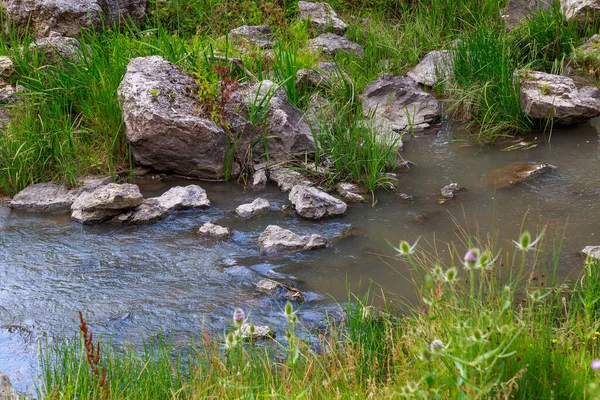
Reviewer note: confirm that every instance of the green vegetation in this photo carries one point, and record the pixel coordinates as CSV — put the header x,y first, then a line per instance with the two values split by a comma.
x,y
68,122
489,324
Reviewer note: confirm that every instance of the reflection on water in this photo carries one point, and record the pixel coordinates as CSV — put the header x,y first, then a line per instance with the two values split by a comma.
x,y
133,281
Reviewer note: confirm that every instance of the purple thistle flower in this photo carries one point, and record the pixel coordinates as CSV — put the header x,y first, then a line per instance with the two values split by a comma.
x,y
436,344
596,365
239,316
470,257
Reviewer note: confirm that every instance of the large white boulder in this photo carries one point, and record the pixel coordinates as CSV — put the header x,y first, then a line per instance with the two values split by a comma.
x,y
313,203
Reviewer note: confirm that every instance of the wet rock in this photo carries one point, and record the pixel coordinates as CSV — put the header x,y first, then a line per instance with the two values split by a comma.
x,y
280,291
259,36
406,197
518,172
435,67
105,202
322,17
313,203
56,49
165,123
323,76
7,392
350,232
287,134
215,231
398,103
580,10
253,332
426,216
182,198
68,17
259,179
275,239
256,208
350,192
7,70
52,197
331,44
148,211
556,97
592,251
449,190
405,164
518,10
286,178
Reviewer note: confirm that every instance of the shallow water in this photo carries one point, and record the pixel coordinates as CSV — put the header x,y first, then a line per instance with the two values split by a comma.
x,y
132,282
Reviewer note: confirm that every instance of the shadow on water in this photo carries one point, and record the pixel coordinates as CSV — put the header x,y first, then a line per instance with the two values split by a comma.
x,y
133,282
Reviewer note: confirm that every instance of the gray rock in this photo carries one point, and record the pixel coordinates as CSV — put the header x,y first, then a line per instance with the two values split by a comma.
x,y
214,231
276,239
324,76
313,203
146,212
52,197
286,178
105,202
556,97
259,179
518,10
320,113
592,251
165,123
435,67
515,173
331,44
399,104
7,70
256,208
259,36
350,192
322,17
182,198
249,331
449,190
280,291
287,134
7,392
590,50
580,10
68,17
56,49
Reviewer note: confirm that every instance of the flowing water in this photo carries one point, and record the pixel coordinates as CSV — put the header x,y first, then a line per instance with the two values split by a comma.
x,y
133,282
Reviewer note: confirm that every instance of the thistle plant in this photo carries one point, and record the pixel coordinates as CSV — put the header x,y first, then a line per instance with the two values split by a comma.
x,y
293,348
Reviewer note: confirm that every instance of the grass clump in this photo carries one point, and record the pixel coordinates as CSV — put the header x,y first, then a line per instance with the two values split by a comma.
x,y
488,325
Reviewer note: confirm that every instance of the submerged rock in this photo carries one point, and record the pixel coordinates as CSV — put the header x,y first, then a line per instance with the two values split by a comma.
x,y
518,172
275,239
214,231
52,197
68,17
313,203
398,103
435,67
286,178
166,124
592,251
331,44
105,202
253,332
7,392
250,210
556,97
280,291
519,10
259,36
182,198
288,134
322,17
56,49
580,10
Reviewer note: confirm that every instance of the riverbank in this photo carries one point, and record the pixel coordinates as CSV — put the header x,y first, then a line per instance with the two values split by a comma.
x,y
493,325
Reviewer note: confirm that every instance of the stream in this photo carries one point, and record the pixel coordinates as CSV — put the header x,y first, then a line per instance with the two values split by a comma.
x,y
132,282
